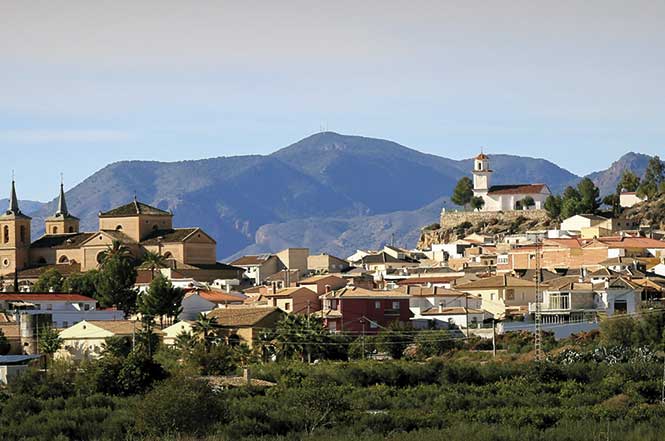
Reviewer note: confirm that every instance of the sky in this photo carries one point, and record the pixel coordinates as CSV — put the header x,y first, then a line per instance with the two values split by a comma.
x,y
84,84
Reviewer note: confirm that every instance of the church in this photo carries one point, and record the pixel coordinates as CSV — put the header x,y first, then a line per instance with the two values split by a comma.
x,y
504,197
136,225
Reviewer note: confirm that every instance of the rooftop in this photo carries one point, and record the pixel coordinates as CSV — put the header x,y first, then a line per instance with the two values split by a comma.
x,y
134,208
241,316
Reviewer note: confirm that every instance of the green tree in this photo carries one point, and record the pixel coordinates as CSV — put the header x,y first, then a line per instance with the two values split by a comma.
x,y
569,208
115,250
117,346
180,405
612,201
49,281
477,203
553,206
589,197
629,182
138,372
654,176
434,342
316,406
116,279
49,343
82,283
463,192
617,331
161,299
5,347
395,339
153,261
527,201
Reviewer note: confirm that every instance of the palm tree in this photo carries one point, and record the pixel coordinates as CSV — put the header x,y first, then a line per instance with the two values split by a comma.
x,y
185,341
152,261
203,326
116,249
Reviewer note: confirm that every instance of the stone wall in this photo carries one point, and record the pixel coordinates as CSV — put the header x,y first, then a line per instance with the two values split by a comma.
x,y
450,219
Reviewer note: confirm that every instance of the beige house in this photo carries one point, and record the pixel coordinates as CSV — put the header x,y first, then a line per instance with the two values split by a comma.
x,y
171,333
244,324
86,339
258,267
326,263
294,259
297,300
323,283
502,295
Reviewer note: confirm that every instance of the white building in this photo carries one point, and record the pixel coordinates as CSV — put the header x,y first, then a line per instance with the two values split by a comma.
x,y
65,309
504,197
629,198
442,308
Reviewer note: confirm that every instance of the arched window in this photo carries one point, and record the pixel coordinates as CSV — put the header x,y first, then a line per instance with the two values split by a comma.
x,y
71,229
63,259
168,255
234,340
5,234
55,230
155,227
100,257
22,233
118,228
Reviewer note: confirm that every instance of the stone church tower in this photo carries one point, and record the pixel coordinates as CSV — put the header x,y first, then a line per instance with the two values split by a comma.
x,y
62,222
481,174
14,237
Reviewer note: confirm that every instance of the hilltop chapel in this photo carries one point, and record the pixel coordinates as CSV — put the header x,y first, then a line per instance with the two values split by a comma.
x,y
504,197
136,225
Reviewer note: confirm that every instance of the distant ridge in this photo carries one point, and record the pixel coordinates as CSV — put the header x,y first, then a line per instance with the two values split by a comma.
x,y
330,191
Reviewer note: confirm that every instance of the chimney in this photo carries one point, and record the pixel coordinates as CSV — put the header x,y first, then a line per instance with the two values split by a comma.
x,y
247,376
440,307
327,289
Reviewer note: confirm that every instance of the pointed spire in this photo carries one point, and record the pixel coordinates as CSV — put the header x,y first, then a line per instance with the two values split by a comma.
x,y
62,203
13,200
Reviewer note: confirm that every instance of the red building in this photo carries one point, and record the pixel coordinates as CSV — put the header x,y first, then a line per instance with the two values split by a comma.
x,y
356,310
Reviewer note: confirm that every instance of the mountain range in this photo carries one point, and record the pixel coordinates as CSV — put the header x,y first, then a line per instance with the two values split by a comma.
x,y
331,192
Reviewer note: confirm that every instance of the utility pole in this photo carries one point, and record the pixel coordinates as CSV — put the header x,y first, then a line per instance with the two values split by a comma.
x,y
362,321
493,338
538,338
309,349
466,312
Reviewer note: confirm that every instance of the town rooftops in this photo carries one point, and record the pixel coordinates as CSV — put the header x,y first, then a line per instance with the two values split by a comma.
x,y
135,208
501,281
569,283
357,292
631,242
289,292
517,189
117,327
423,280
384,257
217,296
434,291
241,316
252,260
47,297
324,278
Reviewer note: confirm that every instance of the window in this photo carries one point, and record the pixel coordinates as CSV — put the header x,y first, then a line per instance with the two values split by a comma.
x,y
510,294
5,234
71,229
22,233
559,300
63,259
65,324
396,305
332,326
49,307
373,324
502,260
118,228
86,307
287,306
377,305
55,230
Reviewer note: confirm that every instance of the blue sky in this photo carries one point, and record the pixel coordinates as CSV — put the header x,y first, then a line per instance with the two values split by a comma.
x,y
83,84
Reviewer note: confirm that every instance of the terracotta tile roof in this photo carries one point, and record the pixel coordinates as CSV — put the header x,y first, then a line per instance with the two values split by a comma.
x,y
501,281
61,241
217,296
290,292
48,297
328,313
435,291
134,208
482,156
176,235
117,327
357,292
456,310
10,330
517,189
258,259
322,279
280,276
568,283
242,316
631,242
425,280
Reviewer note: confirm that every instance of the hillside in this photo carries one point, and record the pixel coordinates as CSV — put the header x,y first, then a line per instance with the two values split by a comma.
x,y
607,180
329,191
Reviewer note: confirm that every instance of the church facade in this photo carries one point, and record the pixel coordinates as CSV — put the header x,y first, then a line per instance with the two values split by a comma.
x,y
136,225
505,197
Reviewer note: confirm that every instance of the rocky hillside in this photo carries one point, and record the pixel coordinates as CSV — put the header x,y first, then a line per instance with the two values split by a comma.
x,y
650,213
607,180
453,226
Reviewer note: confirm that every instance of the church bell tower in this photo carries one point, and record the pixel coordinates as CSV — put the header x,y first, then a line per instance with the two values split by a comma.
x,y
481,173
14,237
62,222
